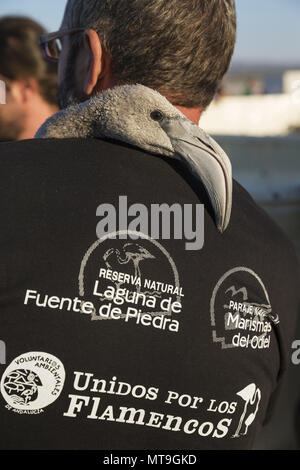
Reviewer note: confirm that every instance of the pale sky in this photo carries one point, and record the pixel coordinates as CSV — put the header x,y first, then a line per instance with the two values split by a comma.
x,y
268,30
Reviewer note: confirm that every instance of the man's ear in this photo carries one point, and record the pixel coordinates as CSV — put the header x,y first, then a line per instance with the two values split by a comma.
x,y
93,64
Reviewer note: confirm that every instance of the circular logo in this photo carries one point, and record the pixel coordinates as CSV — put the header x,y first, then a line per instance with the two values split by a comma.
x,y
32,381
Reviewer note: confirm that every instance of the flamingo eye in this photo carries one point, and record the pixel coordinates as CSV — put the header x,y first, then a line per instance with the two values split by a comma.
x,y
157,115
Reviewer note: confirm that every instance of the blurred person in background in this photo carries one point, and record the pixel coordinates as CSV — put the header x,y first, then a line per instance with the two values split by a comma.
x,y
30,81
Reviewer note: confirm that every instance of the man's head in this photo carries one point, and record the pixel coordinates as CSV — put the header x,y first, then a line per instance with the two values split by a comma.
x,y
181,48
30,81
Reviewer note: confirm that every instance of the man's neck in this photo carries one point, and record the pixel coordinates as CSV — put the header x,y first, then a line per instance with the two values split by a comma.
x,y
193,114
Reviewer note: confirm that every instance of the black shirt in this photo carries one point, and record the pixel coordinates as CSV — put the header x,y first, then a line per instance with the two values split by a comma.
x,y
88,370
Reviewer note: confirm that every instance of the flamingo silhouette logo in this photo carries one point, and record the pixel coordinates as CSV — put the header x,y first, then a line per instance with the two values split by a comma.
x,y
251,396
130,256
131,252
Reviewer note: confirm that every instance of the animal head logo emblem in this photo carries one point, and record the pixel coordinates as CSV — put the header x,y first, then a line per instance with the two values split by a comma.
x,y
22,386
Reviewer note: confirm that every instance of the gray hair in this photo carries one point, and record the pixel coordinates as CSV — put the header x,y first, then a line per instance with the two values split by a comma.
x,y
181,48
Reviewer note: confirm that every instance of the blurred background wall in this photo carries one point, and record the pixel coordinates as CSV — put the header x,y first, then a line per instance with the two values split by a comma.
x,y
256,118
